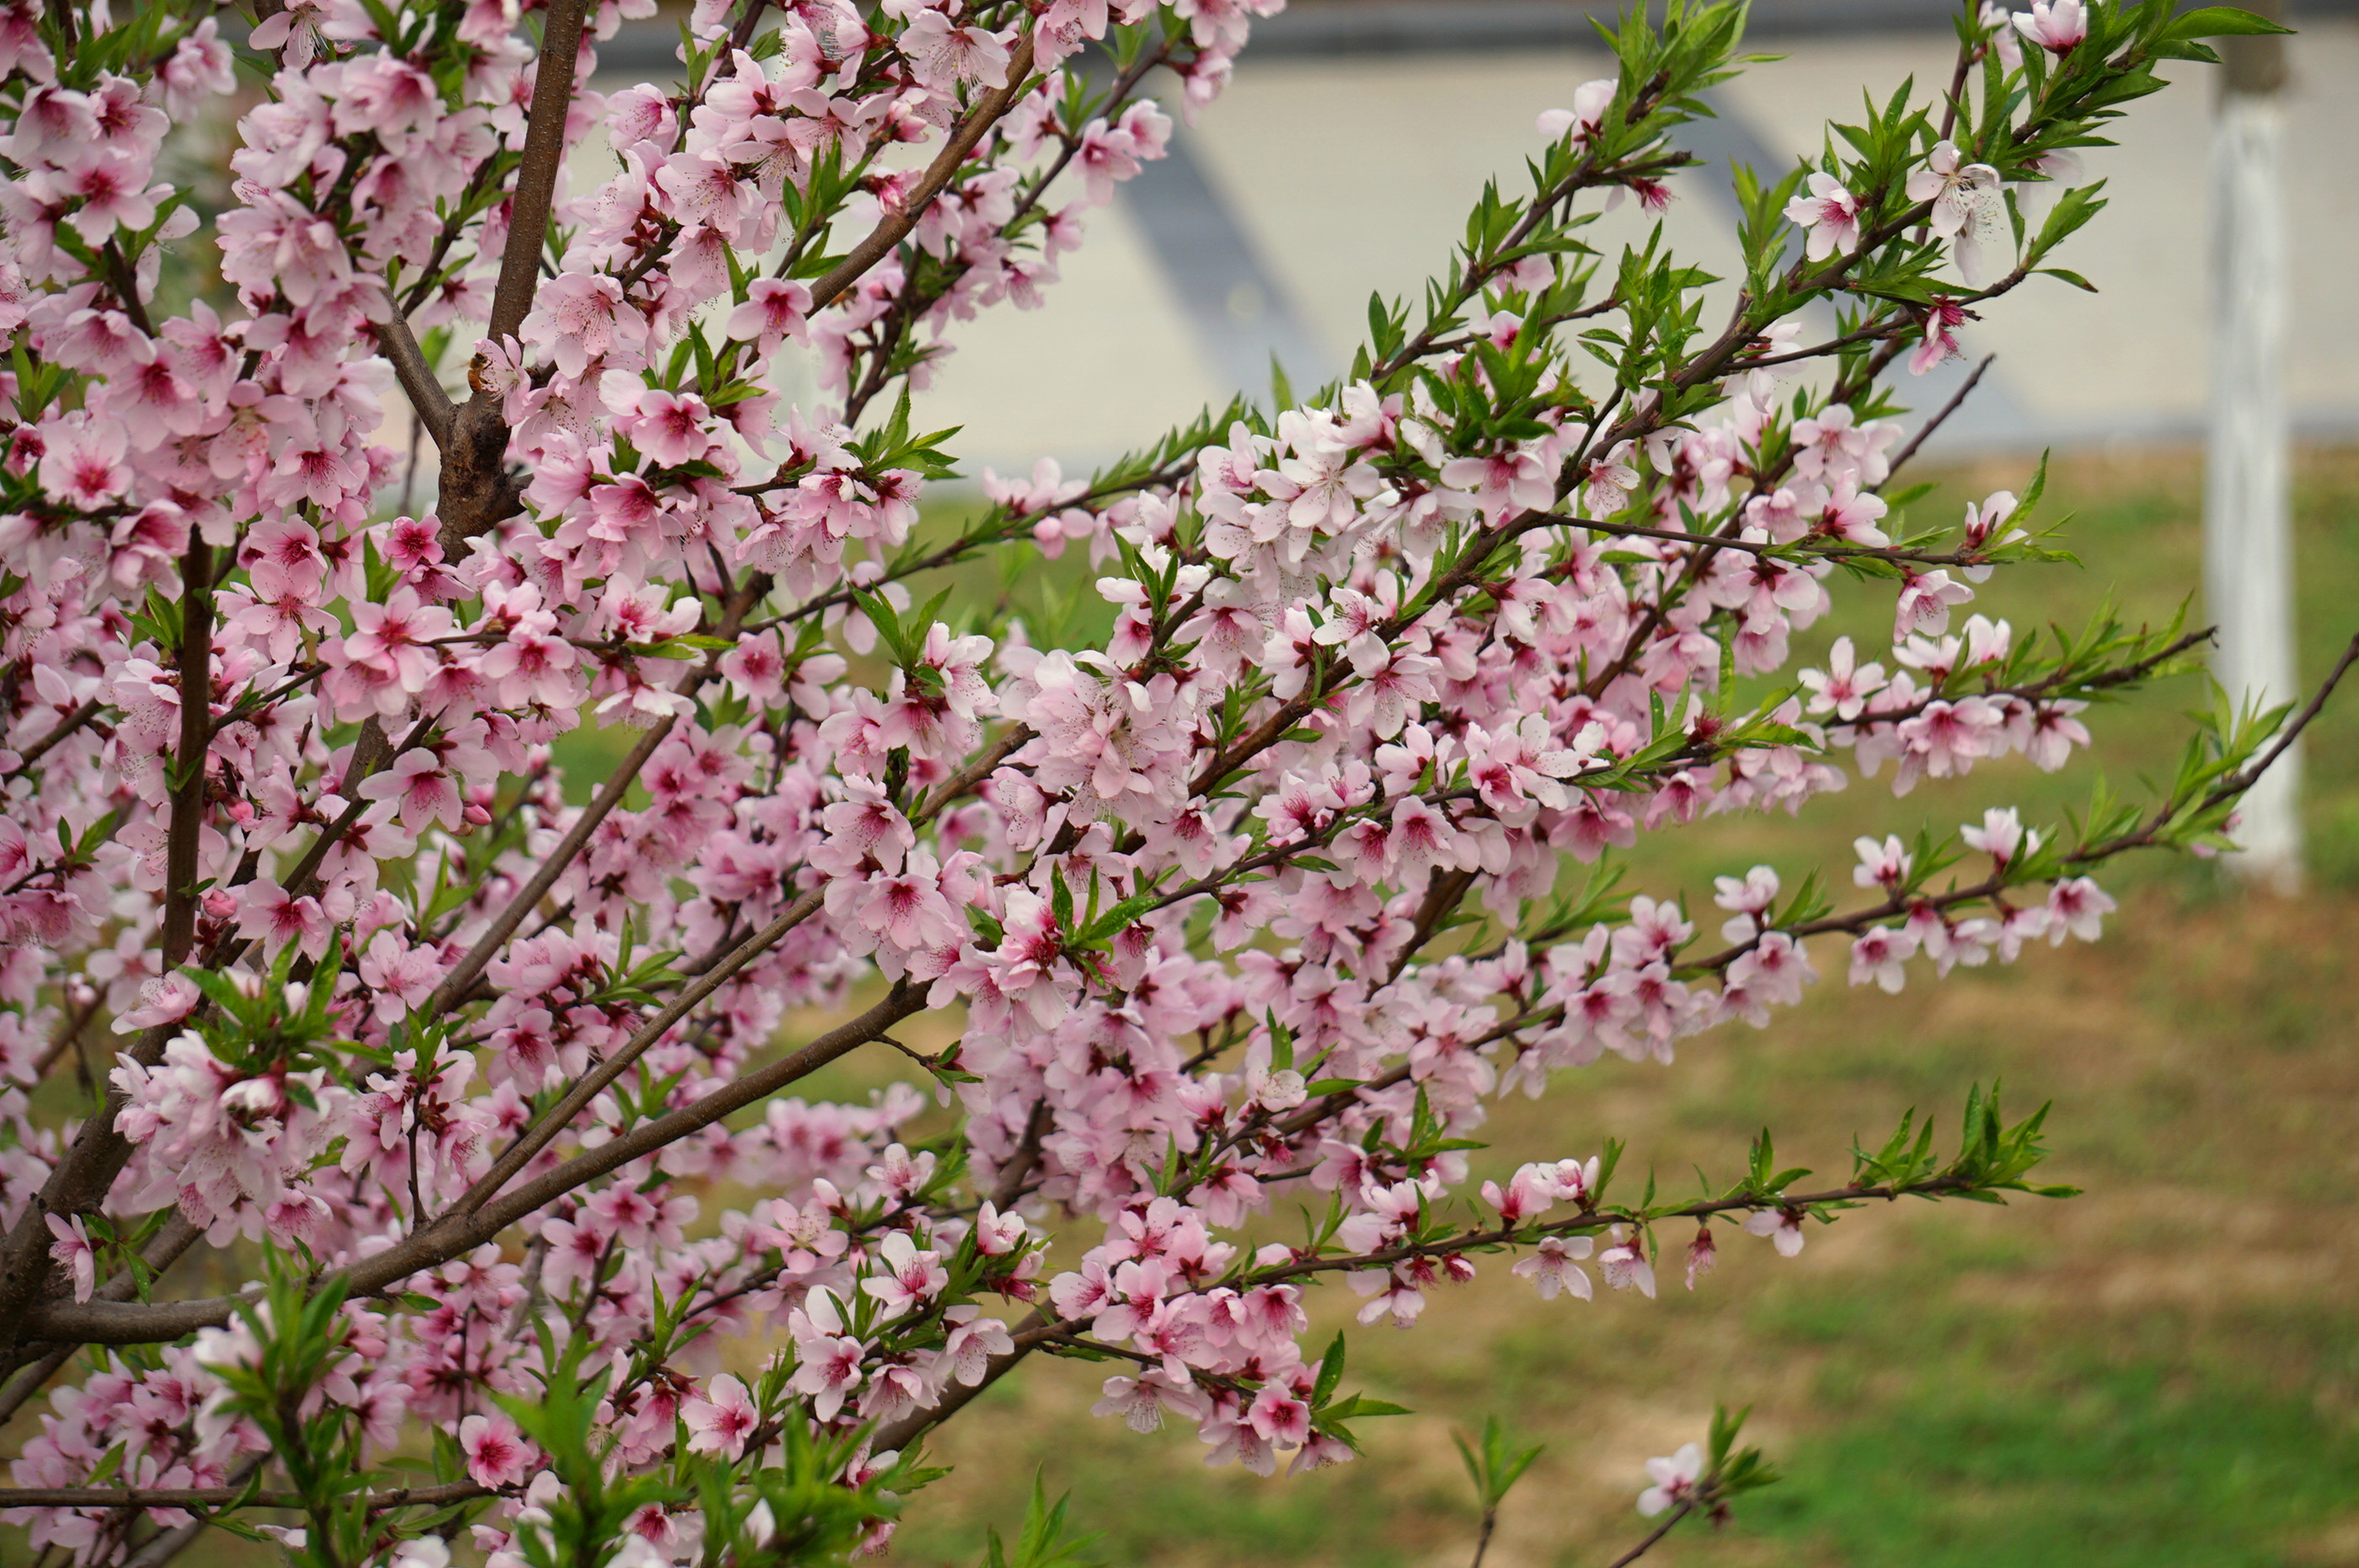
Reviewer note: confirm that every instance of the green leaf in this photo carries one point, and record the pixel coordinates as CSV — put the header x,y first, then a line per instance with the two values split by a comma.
x,y
1331,1373
2221,22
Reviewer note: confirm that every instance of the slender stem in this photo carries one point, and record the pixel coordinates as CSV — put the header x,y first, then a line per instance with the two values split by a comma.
x,y
1957,401
69,1029
65,727
593,1083
2250,776
221,1496
427,400
163,1548
1483,1540
1653,1537
462,979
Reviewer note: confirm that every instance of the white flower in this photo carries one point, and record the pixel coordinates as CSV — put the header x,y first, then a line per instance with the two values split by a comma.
x,y
1674,1480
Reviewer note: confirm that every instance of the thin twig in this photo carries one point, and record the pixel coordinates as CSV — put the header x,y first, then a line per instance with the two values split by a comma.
x,y
221,1497
895,225
65,727
1653,1537
1957,400
427,400
163,1548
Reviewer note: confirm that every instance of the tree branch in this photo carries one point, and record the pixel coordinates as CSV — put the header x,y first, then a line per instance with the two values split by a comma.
x,y
95,1323
544,158
433,406
457,984
161,1549
164,1250
80,1179
1653,1537
223,1497
65,727
1957,400
593,1083
895,225
476,493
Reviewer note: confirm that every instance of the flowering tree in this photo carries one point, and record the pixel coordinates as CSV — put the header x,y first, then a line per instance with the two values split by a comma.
x,y
1254,901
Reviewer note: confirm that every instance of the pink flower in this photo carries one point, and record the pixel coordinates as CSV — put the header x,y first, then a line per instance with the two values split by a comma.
x,y
1609,481
667,427
1674,1480
1551,1268
1782,1227
1590,102
1829,215
827,1360
402,977
1843,688
774,312
2057,25
495,1453
910,1277
1881,864
81,462
1881,954
1967,206
1943,316
2001,835
2077,907
721,1419
1279,1418
1703,1254
74,1253
270,914
1926,600
1141,1402
421,790
943,55
1626,1266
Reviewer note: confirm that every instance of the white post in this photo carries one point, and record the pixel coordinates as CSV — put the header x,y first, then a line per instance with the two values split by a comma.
x,y
2247,544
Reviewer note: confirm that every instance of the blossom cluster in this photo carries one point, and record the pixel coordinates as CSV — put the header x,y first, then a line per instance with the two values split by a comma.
x,y
1254,899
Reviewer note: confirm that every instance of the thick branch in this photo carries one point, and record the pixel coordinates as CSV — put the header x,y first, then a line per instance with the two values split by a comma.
x,y
544,158
179,933
476,493
164,1250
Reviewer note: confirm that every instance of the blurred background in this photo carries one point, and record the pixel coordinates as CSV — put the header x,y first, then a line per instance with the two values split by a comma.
x,y
2163,1371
